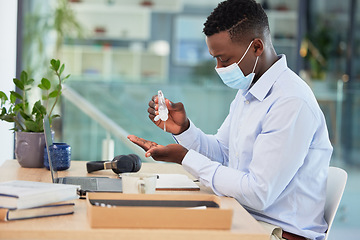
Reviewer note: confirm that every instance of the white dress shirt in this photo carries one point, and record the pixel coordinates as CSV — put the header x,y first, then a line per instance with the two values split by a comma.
x,y
271,153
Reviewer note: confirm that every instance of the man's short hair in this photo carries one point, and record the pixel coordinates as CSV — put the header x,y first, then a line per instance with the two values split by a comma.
x,y
243,19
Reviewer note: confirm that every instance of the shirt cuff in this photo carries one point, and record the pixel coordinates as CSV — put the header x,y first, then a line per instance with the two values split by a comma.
x,y
186,138
200,167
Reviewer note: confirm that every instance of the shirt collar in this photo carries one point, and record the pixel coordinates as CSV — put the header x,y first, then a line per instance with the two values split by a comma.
x,y
263,85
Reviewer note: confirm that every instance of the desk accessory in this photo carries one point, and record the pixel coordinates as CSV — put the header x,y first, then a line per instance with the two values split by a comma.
x,y
159,211
138,182
120,164
61,153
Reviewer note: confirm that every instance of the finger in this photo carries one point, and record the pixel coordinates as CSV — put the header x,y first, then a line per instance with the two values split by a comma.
x,y
174,106
153,152
154,99
144,144
137,141
156,150
168,103
152,103
148,154
151,111
159,153
152,117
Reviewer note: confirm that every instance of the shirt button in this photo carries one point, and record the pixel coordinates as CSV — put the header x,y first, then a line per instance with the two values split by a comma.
x,y
247,102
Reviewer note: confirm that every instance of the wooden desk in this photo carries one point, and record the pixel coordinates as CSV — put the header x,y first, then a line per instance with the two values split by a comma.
x,y
75,226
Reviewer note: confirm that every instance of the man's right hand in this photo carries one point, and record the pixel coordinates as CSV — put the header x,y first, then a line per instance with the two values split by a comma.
x,y
177,121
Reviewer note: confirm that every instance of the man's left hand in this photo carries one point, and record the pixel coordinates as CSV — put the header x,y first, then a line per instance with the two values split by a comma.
x,y
170,153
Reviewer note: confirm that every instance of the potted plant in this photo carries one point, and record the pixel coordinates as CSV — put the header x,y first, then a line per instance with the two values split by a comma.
x,y
28,121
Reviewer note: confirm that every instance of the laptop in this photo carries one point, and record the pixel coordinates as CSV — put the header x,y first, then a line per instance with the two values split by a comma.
x,y
87,184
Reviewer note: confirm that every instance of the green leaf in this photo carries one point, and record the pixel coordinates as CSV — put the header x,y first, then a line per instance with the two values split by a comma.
x,y
25,116
12,98
55,64
62,69
15,95
32,126
24,77
18,107
3,98
54,94
42,87
3,111
3,95
45,84
39,108
52,62
19,84
55,116
66,77
39,121
30,81
8,118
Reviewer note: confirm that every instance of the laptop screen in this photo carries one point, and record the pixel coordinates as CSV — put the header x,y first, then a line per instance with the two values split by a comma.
x,y
48,143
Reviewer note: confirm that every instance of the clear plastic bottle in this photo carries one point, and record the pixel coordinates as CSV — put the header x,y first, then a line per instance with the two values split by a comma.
x,y
163,110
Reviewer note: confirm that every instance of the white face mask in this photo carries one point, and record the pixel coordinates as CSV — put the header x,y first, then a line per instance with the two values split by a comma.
x,y
233,77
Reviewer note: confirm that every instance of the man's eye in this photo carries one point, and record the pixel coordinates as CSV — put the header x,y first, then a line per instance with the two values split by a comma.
x,y
223,60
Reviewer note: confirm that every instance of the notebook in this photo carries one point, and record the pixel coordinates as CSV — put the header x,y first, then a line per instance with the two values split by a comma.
x,y
175,182
87,184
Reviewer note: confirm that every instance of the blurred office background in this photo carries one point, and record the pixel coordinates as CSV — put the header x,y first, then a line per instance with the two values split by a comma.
x,y
120,52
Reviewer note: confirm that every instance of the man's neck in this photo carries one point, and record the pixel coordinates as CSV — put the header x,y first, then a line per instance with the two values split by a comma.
x,y
269,58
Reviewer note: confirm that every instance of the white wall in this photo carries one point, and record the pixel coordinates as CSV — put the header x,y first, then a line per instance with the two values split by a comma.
x,y
8,21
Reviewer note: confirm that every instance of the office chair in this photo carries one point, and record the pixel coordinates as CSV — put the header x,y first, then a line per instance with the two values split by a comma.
x,y
335,188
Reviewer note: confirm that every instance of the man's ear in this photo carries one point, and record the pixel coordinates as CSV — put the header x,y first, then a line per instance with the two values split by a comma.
x,y
258,46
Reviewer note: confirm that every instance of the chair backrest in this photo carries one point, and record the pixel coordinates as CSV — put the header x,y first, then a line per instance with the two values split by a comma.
x,y
335,188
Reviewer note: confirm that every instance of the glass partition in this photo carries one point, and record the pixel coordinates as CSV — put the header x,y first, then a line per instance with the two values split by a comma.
x,y
126,104
120,52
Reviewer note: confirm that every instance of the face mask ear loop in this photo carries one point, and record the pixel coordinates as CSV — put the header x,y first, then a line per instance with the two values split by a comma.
x,y
245,52
255,63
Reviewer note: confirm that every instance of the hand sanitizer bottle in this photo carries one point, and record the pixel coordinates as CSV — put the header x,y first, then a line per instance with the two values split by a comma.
x,y
163,110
